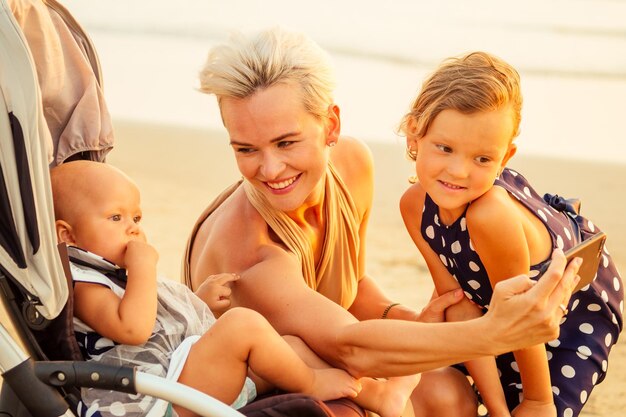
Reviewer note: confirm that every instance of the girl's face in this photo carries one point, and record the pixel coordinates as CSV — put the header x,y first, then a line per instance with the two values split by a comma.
x,y
460,156
279,146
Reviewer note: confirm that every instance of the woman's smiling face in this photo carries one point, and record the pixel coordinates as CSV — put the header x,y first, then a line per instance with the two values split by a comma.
x,y
279,146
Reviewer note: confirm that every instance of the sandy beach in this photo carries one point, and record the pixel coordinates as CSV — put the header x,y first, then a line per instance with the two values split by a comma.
x,y
179,170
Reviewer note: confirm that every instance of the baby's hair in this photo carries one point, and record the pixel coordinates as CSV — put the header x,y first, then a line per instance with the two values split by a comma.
x,y
471,83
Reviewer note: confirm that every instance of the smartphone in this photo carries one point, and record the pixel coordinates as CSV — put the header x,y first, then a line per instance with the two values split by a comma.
x,y
590,250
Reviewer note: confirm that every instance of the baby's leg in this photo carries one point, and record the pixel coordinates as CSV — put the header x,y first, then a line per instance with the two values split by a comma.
x,y
385,397
218,362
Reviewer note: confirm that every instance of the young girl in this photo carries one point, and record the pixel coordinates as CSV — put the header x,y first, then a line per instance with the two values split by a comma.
x,y
476,223
124,315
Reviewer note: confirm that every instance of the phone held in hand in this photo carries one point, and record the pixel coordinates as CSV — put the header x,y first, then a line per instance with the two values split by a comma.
x,y
590,250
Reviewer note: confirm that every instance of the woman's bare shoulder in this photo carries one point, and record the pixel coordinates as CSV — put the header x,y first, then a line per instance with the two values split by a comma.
x,y
229,239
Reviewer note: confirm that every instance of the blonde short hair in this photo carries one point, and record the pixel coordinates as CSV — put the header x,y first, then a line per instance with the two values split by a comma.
x,y
245,65
475,82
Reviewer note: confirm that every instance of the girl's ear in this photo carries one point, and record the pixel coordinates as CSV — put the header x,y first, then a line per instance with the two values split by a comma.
x,y
64,232
509,154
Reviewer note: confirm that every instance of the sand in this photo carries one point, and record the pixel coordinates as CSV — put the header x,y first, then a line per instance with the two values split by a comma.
x,y
180,170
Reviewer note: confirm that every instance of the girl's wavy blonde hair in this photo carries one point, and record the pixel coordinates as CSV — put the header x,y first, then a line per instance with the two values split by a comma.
x,y
471,83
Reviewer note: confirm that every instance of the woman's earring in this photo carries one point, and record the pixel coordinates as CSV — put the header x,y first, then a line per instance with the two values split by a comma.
x,y
331,144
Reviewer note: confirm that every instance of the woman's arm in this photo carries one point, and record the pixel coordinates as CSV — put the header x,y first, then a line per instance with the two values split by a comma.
x,y
520,316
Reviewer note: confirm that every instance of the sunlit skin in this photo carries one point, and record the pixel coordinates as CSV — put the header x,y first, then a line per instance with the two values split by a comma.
x,y
460,156
282,152
108,220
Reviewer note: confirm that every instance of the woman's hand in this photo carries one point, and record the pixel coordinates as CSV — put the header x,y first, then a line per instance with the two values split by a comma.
x,y
215,291
530,408
436,308
524,313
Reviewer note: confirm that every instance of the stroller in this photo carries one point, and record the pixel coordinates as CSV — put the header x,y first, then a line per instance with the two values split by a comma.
x,y
41,365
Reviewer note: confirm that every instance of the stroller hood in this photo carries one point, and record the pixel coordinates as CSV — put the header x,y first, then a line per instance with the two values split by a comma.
x,y
27,236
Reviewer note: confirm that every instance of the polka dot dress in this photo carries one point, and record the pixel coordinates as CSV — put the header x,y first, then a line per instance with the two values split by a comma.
x,y
578,359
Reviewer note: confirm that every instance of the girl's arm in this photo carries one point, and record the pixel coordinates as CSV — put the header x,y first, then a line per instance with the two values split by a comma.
x,y
491,220
483,370
128,320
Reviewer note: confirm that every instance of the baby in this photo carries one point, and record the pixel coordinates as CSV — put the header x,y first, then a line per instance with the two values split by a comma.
x,y
124,315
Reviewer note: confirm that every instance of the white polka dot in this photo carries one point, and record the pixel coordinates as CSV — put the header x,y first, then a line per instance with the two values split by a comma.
x,y
616,283
568,371
621,306
473,266
568,412
594,378
614,319
527,191
474,284
567,233
605,261
591,226
608,339
430,232
456,247
604,365
574,305
117,409
542,215
514,173
605,296
443,259
585,351
556,390
594,307
563,320
472,246
468,295
559,242
533,273
548,355
463,224
586,328
443,242
554,343
514,366
549,211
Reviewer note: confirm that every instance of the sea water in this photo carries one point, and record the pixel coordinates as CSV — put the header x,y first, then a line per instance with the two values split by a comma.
x,y
571,55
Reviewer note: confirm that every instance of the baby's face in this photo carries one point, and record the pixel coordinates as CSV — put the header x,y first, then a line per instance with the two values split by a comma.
x,y
109,219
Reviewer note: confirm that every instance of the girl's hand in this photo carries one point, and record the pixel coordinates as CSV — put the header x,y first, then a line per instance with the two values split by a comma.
x,y
140,253
531,408
215,292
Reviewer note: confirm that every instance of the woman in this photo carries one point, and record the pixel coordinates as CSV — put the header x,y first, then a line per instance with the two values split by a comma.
x,y
295,227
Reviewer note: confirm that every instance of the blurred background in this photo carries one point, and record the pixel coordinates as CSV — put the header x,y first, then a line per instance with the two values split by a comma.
x,y
571,55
